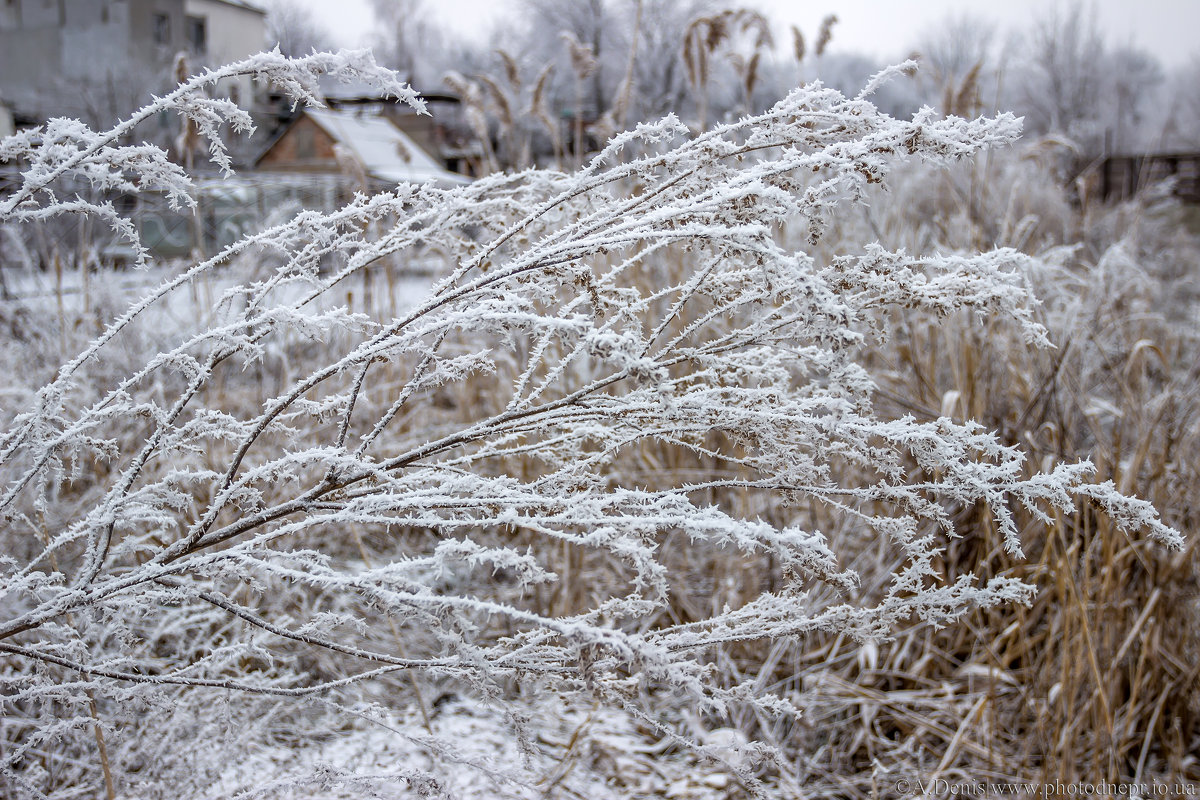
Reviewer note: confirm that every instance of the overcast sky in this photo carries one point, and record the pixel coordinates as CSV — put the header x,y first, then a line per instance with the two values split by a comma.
x,y
887,29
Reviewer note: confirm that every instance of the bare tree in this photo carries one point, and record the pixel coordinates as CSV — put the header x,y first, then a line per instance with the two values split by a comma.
x,y
660,73
1180,126
741,35
1065,78
1061,87
1136,78
410,41
958,67
592,24
295,30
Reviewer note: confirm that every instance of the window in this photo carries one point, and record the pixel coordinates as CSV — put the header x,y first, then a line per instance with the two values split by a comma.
x,y
162,29
197,34
306,144
8,15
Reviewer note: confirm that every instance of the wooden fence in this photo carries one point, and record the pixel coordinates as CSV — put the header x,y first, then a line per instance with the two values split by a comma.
x,y
1122,177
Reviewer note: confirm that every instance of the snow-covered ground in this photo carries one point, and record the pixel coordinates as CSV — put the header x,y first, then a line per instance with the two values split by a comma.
x,y
477,753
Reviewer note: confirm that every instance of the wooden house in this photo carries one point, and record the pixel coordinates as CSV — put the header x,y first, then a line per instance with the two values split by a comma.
x,y
363,144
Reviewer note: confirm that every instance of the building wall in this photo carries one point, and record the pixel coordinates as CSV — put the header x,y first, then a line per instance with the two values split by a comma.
x,y
303,147
94,38
6,121
144,46
94,59
420,128
40,13
29,39
234,31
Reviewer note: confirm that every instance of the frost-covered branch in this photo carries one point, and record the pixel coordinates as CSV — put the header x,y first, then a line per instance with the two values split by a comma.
x,y
616,372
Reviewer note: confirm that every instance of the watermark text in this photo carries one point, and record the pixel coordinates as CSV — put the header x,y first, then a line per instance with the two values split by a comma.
x,y
941,787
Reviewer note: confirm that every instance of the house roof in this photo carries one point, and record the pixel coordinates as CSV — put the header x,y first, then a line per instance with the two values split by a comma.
x,y
249,6
360,91
385,151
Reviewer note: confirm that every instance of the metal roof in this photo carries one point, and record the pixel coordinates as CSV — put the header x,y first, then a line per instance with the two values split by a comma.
x,y
385,151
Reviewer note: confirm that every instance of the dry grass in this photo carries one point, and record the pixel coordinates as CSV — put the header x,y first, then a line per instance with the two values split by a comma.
x,y
1097,679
